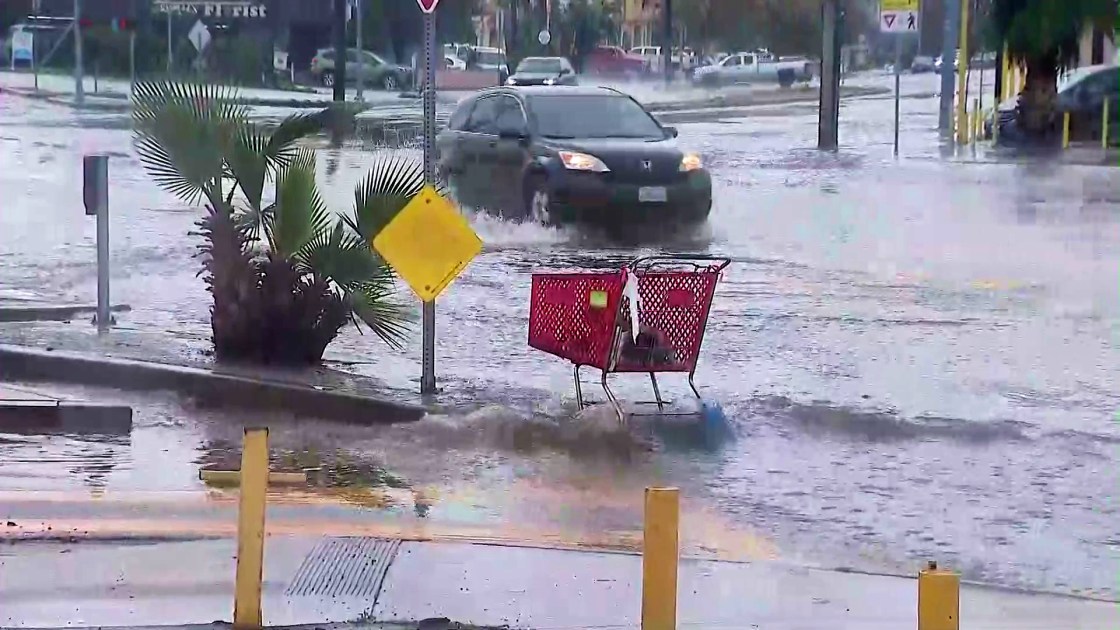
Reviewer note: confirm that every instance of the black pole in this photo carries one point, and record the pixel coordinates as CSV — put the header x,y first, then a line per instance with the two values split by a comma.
x,y
828,123
339,50
667,43
998,87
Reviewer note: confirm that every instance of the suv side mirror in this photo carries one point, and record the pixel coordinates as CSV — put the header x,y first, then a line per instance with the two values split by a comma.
x,y
564,71
671,132
520,135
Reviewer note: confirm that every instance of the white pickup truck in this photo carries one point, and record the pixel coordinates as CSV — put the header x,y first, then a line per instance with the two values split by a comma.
x,y
751,68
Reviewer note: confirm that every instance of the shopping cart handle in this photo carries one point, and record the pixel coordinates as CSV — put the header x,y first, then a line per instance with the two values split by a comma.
x,y
716,263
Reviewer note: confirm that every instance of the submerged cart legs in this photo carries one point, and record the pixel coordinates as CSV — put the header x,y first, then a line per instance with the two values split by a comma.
x,y
656,392
579,390
692,384
611,397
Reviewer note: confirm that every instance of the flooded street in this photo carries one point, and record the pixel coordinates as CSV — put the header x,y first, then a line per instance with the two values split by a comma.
x,y
918,355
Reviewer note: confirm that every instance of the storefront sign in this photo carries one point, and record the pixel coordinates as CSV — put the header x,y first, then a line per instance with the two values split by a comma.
x,y
218,10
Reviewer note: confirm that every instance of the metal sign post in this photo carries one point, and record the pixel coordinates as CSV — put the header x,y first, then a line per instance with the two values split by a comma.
x,y
95,195
897,88
79,88
899,17
361,51
428,344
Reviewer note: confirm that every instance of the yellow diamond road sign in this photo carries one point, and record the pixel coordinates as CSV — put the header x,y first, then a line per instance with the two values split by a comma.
x,y
428,243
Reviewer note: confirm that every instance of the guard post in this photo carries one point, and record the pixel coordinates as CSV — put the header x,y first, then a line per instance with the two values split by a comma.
x,y
95,196
250,530
660,556
939,599
1065,130
1104,124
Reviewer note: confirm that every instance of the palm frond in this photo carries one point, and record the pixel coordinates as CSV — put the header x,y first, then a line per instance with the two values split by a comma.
x,y
282,147
182,134
1045,29
387,319
386,190
299,214
360,276
247,163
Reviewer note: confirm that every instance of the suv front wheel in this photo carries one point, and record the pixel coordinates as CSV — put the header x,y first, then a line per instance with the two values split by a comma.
x,y
327,78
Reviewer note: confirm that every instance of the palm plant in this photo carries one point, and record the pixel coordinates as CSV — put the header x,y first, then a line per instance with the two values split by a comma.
x,y
285,275
1044,36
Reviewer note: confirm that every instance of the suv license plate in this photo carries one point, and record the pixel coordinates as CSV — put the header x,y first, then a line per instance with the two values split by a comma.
x,y
652,194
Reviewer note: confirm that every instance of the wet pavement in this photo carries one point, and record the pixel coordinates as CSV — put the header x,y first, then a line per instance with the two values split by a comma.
x,y
917,355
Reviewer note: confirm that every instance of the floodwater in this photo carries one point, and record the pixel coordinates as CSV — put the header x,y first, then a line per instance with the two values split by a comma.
x,y
916,356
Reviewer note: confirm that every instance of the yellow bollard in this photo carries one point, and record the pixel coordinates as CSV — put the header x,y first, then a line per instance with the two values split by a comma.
x,y
660,556
250,530
939,599
962,74
1065,130
1104,125
1005,89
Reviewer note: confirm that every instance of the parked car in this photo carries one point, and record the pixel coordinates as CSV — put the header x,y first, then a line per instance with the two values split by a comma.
x,y
564,155
922,64
544,71
1081,93
487,58
748,68
376,70
454,63
652,55
939,62
614,61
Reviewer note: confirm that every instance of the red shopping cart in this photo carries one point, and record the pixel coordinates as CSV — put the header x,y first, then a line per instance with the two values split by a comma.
x,y
586,318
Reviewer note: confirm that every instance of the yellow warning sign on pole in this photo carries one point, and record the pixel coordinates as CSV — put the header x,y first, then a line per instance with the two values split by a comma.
x,y
428,243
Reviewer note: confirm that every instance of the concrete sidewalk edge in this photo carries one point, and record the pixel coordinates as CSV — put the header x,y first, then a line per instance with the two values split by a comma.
x,y
18,363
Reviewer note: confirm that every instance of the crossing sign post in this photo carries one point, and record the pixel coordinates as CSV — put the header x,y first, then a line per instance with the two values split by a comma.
x,y
899,17
428,87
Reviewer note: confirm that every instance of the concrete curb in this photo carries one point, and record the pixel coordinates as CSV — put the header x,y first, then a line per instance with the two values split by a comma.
x,y
216,388
13,313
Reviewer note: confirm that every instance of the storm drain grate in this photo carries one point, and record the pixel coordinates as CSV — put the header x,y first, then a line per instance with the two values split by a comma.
x,y
345,567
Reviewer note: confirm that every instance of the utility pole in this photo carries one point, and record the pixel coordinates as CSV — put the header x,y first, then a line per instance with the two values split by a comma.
x,y
948,54
339,50
667,43
828,125
361,51
79,71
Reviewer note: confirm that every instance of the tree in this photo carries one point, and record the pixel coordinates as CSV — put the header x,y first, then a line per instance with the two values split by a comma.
x,y
1044,36
285,275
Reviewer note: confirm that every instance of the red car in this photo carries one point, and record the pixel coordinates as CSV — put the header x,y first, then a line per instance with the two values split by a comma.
x,y
614,61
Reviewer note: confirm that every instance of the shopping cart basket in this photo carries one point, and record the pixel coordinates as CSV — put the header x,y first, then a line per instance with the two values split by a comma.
x,y
586,318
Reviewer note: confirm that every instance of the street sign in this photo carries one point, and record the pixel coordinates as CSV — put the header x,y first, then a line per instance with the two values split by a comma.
x,y
899,16
428,243
428,6
199,35
23,47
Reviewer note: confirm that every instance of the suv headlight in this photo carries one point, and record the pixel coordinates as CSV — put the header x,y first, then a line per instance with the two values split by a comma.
x,y
691,162
576,161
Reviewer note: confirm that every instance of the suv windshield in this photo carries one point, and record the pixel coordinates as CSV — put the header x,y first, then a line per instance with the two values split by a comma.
x,y
593,116
542,66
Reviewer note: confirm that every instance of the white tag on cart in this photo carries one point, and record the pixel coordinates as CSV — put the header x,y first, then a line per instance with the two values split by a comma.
x,y
630,291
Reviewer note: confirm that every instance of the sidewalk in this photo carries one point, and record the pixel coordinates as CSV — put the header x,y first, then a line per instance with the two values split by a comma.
x,y
367,580
25,410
